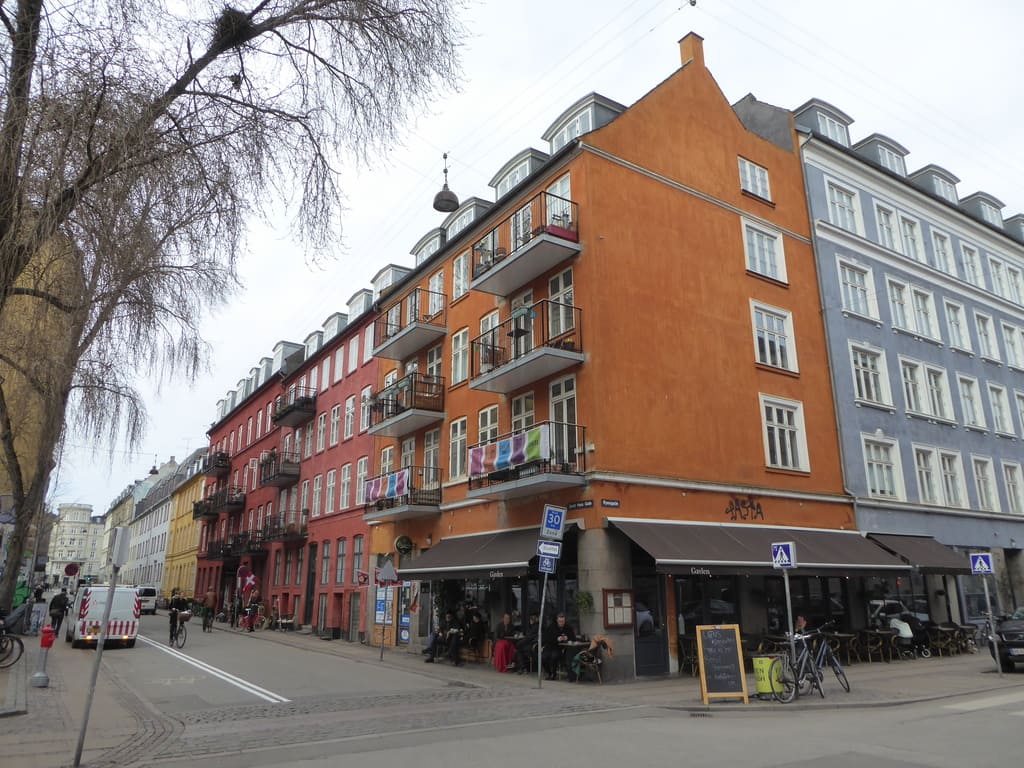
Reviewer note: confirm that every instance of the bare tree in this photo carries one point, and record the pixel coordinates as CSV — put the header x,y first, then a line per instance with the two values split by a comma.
x,y
136,140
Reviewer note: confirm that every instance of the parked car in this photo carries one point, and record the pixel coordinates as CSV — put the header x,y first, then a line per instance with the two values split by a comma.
x,y
1011,640
879,612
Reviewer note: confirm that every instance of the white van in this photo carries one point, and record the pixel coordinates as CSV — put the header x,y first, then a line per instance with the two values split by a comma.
x,y
148,596
85,621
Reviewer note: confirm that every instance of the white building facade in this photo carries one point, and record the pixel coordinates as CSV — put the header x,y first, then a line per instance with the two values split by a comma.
x,y
77,539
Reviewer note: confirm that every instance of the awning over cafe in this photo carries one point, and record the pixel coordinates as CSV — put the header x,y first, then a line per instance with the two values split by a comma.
x,y
483,555
707,549
923,553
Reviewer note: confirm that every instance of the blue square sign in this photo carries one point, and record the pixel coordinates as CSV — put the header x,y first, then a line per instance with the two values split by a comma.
x,y
784,554
546,564
553,523
981,563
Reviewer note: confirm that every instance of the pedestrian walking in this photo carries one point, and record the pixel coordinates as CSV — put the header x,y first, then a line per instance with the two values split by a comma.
x,y
59,609
38,611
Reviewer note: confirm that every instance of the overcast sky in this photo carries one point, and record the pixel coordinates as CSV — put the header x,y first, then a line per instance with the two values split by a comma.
x,y
940,77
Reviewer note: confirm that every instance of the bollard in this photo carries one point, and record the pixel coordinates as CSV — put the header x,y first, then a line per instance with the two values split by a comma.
x,y
39,678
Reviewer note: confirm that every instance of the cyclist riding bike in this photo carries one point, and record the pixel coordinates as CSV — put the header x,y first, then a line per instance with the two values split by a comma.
x,y
177,605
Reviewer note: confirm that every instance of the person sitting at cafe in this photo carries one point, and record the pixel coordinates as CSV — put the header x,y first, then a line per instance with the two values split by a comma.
x,y
476,633
505,645
553,654
526,648
446,639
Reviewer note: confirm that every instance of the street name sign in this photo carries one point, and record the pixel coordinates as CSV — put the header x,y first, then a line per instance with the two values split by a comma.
x,y
549,548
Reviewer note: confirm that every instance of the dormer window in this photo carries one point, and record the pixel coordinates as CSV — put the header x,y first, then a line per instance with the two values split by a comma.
x,y
991,214
513,177
834,129
754,179
462,221
428,250
575,128
891,160
944,188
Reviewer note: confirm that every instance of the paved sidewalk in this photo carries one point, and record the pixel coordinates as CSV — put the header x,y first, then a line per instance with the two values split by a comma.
x,y
42,728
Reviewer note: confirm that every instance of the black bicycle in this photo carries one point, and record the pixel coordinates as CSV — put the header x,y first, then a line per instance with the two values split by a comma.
x,y
11,647
791,678
179,633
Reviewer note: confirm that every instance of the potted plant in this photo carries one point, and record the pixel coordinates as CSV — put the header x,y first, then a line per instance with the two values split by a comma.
x,y
584,602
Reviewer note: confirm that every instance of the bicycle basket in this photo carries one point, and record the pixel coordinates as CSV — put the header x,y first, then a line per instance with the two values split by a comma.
x,y
184,616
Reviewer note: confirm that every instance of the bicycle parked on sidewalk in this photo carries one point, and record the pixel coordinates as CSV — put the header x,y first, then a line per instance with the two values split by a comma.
x,y
791,677
11,647
254,618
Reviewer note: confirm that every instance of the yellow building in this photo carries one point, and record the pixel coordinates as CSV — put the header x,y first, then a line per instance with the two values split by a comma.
x,y
183,529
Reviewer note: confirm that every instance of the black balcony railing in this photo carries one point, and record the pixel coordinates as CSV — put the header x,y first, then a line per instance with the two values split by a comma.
x,y
405,487
218,549
545,325
295,407
546,448
415,392
288,526
279,468
203,509
217,464
409,324
228,499
545,225
248,544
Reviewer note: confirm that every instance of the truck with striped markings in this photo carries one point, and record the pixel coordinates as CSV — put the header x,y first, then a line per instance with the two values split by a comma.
x,y
86,617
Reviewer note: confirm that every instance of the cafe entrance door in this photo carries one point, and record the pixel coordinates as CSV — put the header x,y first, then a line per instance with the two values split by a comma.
x,y
650,632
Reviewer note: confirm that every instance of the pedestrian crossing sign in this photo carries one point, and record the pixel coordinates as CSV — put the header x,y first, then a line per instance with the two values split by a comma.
x,y
784,554
981,563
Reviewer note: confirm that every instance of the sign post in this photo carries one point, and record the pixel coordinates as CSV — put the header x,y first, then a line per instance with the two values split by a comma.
x,y
981,565
551,528
388,577
784,558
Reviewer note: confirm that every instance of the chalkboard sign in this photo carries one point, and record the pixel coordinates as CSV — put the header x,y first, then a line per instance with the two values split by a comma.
x,y
720,654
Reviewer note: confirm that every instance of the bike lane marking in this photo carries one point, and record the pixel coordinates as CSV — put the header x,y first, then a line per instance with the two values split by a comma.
x,y
227,677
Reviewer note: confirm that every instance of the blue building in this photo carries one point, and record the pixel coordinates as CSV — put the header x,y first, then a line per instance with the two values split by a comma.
x,y
923,303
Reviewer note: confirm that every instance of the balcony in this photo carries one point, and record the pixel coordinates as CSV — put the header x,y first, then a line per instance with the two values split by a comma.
x,y
407,493
247,544
549,456
408,405
533,343
228,499
419,319
218,549
203,510
217,464
536,238
295,408
287,527
280,469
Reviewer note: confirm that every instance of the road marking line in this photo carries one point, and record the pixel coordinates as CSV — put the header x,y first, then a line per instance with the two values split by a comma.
x,y
986,703
227,677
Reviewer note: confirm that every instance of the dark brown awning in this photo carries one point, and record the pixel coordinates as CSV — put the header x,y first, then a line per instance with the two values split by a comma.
x,y
923,553
495,555
706,549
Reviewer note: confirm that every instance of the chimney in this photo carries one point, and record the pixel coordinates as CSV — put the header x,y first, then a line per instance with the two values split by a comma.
x,y
691,48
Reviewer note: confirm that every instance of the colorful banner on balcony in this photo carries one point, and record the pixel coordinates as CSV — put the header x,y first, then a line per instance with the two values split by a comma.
x,y
533,444
388,486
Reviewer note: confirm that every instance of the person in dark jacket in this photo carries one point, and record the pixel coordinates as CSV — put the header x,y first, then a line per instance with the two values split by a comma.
x,y
526,648
553,655
447,639
177,605
59,609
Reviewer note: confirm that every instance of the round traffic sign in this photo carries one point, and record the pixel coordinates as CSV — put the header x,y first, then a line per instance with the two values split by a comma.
x,y
71,569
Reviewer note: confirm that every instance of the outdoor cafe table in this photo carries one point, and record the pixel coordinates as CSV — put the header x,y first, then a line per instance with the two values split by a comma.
x,y
843,644
880,640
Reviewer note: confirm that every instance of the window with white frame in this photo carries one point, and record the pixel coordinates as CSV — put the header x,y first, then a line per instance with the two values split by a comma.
x,y
368,345
329,490
313,377
560,293
357,558
309,439
432,458
364,409
927,475
970,402
911,238
953,491
523,413
984,485
773,336
325,560
754,179
362,466
353,354
924,313
986,341
346,487
339,364
969,261
997,270
959,338
457,449
325,374
1018,398
943,254
785,438
882,465
318,489
944,188
335,425
434,361
1013,340
991,214
1002,422
940,405
858,294
460,275
886,219
1014,285
460,355
460,222
891,160
387,460
870,379
436,288
898,304
321,431
488,424
764,252
350,416
834,129
408,457
305,495
1014,490
913,387
573,129
842,207
512,178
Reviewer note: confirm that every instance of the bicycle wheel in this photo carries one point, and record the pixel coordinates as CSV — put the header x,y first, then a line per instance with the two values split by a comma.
x,y
783,679
840,674
181,637
14,651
